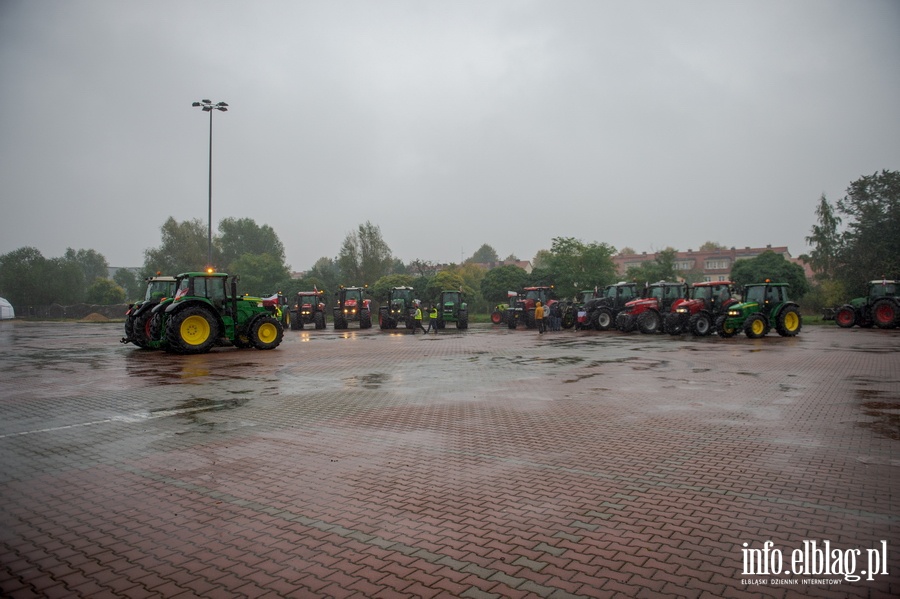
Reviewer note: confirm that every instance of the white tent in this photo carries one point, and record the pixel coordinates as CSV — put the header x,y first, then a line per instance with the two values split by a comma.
x,y
6,310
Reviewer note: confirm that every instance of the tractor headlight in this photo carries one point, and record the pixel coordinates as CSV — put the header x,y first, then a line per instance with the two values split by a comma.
x,y
681,310
734,313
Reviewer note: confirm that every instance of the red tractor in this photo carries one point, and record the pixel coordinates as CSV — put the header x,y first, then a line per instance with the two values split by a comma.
x,y
704,304
309,309
648,313
523,309
352,306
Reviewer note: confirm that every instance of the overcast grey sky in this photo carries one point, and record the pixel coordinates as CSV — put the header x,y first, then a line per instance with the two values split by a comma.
x,y
448,124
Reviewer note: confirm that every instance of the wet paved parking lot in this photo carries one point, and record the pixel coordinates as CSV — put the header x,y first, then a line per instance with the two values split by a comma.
x,y
488,463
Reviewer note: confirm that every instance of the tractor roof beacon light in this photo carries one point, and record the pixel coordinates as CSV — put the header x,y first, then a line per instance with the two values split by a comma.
x,y
208,106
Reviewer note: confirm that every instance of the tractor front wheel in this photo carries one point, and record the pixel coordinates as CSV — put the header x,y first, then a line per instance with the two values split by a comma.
x,y
649,322
724,330
625,322
884,313
266,333
756,326
700,324
496,317
845,317
603,320
192,330
789,322
674,323
140,330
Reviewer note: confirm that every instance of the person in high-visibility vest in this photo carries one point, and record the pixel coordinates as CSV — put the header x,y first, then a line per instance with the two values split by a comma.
x,y
432,320
417,321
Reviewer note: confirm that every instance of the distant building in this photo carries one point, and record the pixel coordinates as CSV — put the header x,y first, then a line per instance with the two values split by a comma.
x,y
713,265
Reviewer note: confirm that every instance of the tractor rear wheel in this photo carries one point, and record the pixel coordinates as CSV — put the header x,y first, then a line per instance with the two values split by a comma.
x,y
140,329
511,320
845,317
603,321
649,322
193,330
319,320
701,324
725,331
297,322
365,319
756,326
884,313
789,322
266,333
462,322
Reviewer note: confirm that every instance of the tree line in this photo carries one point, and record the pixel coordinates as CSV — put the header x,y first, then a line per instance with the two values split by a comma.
x,y
845,255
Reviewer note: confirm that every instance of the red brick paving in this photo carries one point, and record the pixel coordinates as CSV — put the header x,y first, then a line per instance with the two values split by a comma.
x,y
489,463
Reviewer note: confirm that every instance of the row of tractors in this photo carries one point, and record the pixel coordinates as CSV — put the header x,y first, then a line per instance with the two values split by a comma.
x,y
665,307
196,311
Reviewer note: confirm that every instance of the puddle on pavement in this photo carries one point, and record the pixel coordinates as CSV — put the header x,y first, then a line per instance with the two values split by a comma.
x,y
373,380
885,412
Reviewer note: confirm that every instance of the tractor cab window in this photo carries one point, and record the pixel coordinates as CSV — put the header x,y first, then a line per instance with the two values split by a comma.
x,y
756,294
626,292
703,293
673,292
404,294
724,294
773,294
657,292
882,289
353,294
215,289
532,294
587,296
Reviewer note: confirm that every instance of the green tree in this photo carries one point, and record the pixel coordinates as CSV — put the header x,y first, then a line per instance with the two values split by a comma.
x,y
661,268
92,264
498,281
573,265
260,274
446,280
364,255
872,235
712,246
484,255
104,292
22,274
134,288
325,273
183,249
773,267
825,240
239,236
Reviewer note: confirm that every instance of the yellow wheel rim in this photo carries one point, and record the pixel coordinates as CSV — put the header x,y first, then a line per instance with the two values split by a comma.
x,y
758,327
791,321
195,330
267,332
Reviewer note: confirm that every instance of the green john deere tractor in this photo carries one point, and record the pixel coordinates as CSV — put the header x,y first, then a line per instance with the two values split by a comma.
x,y
453,308
398,310
204,314
764,305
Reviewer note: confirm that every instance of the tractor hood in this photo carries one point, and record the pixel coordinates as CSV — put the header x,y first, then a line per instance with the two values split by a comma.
x,y
644,301
742,308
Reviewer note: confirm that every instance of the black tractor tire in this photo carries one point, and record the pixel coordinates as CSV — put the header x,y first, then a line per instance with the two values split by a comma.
x,y
675,323
701,324
649,322
297,322
511,320
603,320
192,330
884,314
319,320
722,330
756,326
266,332
625,322
845,317
384,321
462,322
365,319
789,322
530,320
140,329
157,332
340,323
129,325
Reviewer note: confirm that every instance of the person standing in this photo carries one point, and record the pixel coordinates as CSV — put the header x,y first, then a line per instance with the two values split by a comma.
x,y
539,317
432,320
417,320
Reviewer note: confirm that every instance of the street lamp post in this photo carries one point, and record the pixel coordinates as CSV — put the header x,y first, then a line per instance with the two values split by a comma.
x,y
208,106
